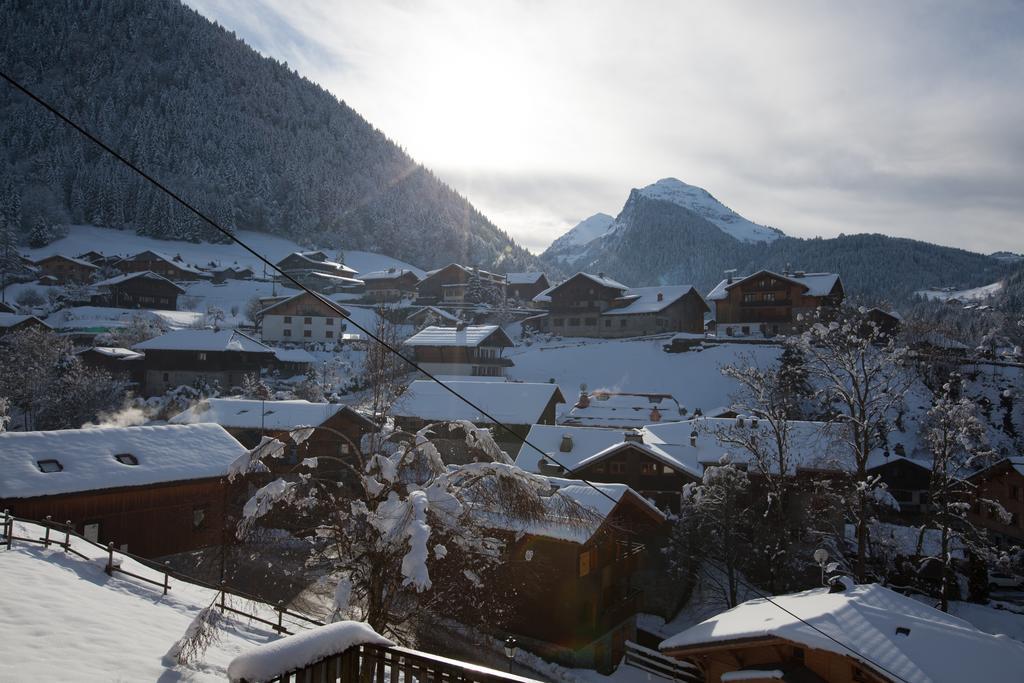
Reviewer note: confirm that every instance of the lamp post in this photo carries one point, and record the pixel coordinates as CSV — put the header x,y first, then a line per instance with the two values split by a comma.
x,y
511,645
821,557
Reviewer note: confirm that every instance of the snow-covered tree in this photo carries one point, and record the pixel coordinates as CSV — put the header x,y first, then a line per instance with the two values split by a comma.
x,y
5,417
382,370
140,327
418,537
254,387
310,388
859,378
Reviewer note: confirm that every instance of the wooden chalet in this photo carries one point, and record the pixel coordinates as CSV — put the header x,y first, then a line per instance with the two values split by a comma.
x,y
143,289
13,322
315,270
571,587
448,285
517,405
467,350
170,267
908,479
887,322
1002,482
846,634
153,491
523,287
233,273
302,319
576,305
215,357
337,434
425,316
768,303
119,362
393,284
65,270
7,308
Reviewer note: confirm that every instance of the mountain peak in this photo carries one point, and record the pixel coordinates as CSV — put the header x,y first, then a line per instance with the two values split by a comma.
x,y
701,202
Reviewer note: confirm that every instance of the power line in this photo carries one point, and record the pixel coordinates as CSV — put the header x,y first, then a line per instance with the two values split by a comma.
x,y
338,309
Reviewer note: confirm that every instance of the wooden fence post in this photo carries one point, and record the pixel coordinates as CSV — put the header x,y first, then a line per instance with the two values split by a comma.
x,y
280,615
67,535
110,558
222,597
46,536
167,577
8,528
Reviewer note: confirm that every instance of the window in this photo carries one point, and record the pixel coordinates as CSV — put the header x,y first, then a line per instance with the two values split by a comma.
x,y
202,355
287,318
622,322
574,322
126,459
584,563
307,333
617,467
330,321
745,329
769,296
167,377
648,468
329,334
91,531
607,322
287,333
903,495
590,321
198,517
50,465
307,321
557,322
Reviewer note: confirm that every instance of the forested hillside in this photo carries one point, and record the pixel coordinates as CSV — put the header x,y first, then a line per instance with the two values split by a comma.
x,y
244,137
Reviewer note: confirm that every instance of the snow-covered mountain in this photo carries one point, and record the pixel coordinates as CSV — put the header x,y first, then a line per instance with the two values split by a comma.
x,y
702,203
570,245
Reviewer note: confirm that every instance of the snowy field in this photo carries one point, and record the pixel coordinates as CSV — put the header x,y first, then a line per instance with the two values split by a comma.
x,y
83,238
976,294
640,365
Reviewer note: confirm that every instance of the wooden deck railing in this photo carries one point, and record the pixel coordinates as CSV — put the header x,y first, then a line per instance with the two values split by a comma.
x,y
662,666
379,664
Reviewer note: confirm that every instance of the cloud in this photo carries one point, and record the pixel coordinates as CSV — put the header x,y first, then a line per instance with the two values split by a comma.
x,y
816,118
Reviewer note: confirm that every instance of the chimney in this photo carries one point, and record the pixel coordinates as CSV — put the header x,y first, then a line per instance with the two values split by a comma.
x,y
739,421
661,296
601,275
753,422
633,436
693,438
460,326
566,445
655,414
584,401
900,450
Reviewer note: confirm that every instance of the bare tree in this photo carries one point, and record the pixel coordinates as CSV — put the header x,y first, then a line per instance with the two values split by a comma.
x,y
858,375
383,371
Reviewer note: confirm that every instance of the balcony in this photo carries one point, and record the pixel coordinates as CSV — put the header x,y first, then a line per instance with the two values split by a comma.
x,y
497,361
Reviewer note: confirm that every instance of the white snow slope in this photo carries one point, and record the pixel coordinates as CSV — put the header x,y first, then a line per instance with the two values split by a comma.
x,y
701,202
586,231
976,294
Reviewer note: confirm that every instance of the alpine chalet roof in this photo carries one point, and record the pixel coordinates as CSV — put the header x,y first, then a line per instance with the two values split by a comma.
x,y
439,312
388,274
87,457
240,413
524,278
645,299
150,255
8,320
313,259
204,340
329,304
77,261
623,410
510,402
116,352
144,275
469,336
818,284
917,643
600,279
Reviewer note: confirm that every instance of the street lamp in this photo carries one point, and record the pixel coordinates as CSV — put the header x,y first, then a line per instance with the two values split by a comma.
x,y
821,557
511,645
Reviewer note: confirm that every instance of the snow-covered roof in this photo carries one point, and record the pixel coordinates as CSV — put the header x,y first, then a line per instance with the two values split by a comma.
x,y
8,320
240,413
204,340
439,312
622,410
337,279
471,335
294,356
545,296
87,457
63,618
818,284
114,352
388,274
509,402
76,261
144,274
309,257
888,631
164,257
600,279
645,299
528,278
330,305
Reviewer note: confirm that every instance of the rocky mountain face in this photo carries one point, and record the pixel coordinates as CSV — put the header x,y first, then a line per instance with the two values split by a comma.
x,y
245,138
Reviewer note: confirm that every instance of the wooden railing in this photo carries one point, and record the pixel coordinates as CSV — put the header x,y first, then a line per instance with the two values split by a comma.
x,y
59,534
661,665
379,664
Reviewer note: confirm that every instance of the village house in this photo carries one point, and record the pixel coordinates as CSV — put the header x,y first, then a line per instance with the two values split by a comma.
x,y
315,270
576,604
470,350
119,362
658,471
768,303
172,268
151,490
448,285
908,480
66,270
888,638
143,289
13,322
623,410
425,316
576,305
234,272
523,287
517,405
303,319
214,357
392,284
337,433
7,308
1002,482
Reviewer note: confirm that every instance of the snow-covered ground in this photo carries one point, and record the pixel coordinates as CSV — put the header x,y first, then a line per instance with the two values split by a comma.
x,y
83,238
636,365
975,294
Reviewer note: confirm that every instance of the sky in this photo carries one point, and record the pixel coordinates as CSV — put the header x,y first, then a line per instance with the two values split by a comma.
x,y
815,118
